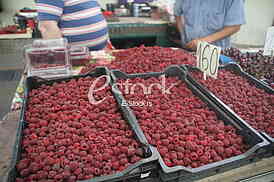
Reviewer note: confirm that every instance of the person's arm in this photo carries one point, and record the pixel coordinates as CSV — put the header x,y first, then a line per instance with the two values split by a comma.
x,y
50,30
225,32
49,13
235,17
179,23
178,12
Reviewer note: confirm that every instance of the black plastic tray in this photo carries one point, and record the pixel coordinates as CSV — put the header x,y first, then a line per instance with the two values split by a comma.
x,y
237,70
181,173
147,167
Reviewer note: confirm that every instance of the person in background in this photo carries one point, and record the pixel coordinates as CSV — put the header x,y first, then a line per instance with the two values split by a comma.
x,y
80,21
213,21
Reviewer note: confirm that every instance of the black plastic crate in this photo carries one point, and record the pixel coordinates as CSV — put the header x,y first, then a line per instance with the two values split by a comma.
x,y
143,169
180,173
236,69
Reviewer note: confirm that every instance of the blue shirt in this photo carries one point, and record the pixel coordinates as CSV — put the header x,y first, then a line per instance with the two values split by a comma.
x,y
205,17
80,21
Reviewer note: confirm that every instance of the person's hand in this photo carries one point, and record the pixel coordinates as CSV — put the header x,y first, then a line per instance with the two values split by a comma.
x,y
192,45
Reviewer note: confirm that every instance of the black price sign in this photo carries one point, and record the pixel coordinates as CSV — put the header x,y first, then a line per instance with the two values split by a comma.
x,y
208,59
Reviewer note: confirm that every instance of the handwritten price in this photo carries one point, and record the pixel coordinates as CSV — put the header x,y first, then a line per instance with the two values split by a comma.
x,y
208,59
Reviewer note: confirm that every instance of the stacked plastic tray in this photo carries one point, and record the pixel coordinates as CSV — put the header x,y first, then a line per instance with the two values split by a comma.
x,y
235,69
144,168
259,143
181,173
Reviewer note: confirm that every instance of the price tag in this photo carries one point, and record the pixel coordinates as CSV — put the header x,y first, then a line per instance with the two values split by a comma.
x,y
269,42
208,59
145,175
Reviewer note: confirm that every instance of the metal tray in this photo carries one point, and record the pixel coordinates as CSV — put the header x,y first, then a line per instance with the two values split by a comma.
x,y
144,168
181,173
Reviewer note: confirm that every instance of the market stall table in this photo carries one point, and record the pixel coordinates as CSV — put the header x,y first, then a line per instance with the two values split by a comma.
x,y
262,167
139,27
12,43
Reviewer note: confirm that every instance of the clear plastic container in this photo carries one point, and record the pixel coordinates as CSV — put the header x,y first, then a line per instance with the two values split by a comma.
x,y
79,56
48,58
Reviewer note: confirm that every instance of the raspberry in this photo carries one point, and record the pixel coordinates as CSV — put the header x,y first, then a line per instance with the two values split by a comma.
x,y
165,142
226,142
78,171
173,155
23,164
123,161
163,151
52,174
25,172
228,152
168,162
135,159
220,136
180,155
187,161
194,164
115,165
204,159
97,172
194,156
220,150
19,180
200,152
217,158
84,146
107,169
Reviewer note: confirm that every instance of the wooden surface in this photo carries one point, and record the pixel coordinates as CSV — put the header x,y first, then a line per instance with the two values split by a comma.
x,y
8,129
263,166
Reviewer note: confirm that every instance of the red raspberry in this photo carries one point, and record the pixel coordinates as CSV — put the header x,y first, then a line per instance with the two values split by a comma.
x,y
73,165
72,179
33,136
200,152
83,153
19,180
135,159
194,156
228,152
226,142
165,142
25,172
204,159
131,151
187,161
173,155
115,165
43,123
123,161
168,162
58,177
220,150
23,164
220,136
180,155
217,158
194,164
84,146
107,168
97,172
78,171
52,174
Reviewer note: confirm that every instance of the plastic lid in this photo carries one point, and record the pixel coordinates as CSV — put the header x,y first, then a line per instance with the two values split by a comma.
x,y
42,43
